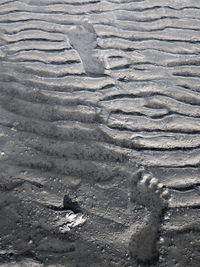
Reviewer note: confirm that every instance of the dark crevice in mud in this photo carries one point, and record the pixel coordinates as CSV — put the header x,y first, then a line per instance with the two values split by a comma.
x,y
121,129
155,116
98,11
187,63
35,4
68,204
108,86
182,167
186,207
185,188
132,49
160,28
47,50
196,207
115,57
186,87
142,148
13,185
141,95
148,94
186,74
183,210
49,63
122,67
128,19
39,74
170,233
144,39
125,79
16,32
41,39
96,75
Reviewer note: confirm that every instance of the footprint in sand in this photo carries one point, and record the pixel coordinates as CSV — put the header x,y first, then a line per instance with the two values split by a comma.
x,y
82,37
148,192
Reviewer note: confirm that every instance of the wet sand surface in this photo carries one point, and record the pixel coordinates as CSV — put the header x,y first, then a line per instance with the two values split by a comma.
x,y
99,133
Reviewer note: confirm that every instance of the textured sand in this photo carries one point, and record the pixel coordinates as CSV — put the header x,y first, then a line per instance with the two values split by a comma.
x,y
99,133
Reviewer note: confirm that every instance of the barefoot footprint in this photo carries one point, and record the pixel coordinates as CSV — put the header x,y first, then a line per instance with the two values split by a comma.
x,y
83,39
148,192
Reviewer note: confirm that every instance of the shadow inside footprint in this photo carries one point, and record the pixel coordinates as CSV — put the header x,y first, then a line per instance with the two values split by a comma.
x,y
69,204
